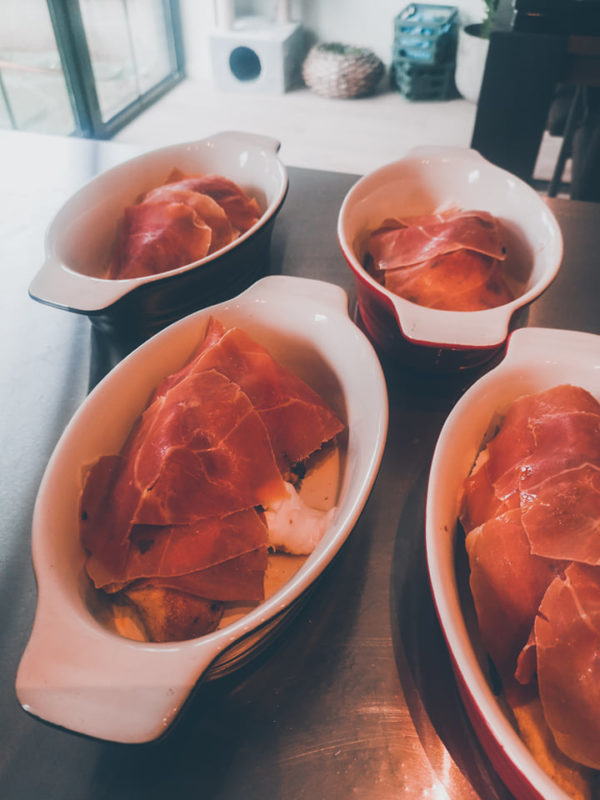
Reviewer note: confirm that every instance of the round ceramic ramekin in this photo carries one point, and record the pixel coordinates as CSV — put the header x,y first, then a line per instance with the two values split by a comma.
x,y
427,179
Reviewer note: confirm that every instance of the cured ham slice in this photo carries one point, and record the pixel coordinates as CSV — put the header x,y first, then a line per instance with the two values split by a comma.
x,y
514,441
106,508
561,516
449,261
205,208
243,211
567,632
175,550
201,451
157,237
479,501
500,560
493,484
208,454
180,222
461,280
175,524
535,569
560,441
426,238
526,662
298,420
238,580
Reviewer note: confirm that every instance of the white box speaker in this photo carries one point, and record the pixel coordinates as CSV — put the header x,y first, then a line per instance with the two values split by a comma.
x,y
257,55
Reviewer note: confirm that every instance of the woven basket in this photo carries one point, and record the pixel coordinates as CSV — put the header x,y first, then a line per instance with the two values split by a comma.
x,y
338,70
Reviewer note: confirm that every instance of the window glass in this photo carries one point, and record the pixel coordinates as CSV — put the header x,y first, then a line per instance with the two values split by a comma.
x,y
85,67
108,38
35,96
128,45
150,42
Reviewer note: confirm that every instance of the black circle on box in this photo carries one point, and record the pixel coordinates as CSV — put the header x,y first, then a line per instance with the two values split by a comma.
x,y
244,64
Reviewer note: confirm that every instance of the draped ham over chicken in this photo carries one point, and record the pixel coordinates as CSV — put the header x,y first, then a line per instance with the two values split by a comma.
x,y
297,420
531,513
186,219
180,508
452,260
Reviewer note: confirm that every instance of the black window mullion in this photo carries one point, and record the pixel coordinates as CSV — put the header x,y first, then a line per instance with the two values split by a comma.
x,y
77,66
175,40
71,41
126,115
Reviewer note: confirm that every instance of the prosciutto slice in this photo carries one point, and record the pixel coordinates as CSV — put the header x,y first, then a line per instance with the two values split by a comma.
x,y
106,508
461,280
479,501
205,208
298,420
559,442
209,454
535,568
175,550
242,210
180,222
178,513
561,516
493,484
156,237
426,238
450,261
238,580
500,560
567,633
201,450
514,441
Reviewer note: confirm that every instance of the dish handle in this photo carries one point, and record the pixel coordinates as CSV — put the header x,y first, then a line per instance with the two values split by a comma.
x,y
320,294
242,139
482,329
55,285
95,682
549,345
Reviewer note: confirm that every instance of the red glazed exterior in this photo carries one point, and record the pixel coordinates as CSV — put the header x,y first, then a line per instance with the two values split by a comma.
x,y
377,316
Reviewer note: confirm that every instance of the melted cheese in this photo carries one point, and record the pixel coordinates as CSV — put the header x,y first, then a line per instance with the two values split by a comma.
x,y
295,527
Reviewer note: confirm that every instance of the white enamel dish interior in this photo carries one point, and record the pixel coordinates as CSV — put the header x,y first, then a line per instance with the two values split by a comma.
x,y
77,673
536,359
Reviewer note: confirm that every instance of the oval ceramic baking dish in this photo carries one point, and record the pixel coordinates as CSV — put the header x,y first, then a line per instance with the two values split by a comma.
x,y
77,673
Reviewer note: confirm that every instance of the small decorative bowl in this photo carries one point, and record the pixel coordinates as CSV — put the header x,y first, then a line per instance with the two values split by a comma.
x,y
536,359
76,671
426,179
80,238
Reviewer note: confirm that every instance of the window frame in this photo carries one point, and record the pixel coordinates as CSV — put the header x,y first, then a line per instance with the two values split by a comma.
x,y
71,42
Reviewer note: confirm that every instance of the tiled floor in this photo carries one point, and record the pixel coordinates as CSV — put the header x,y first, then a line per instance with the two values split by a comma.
x,y
355,135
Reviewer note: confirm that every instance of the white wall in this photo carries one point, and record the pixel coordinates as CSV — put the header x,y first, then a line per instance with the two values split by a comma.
x,y
365,23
